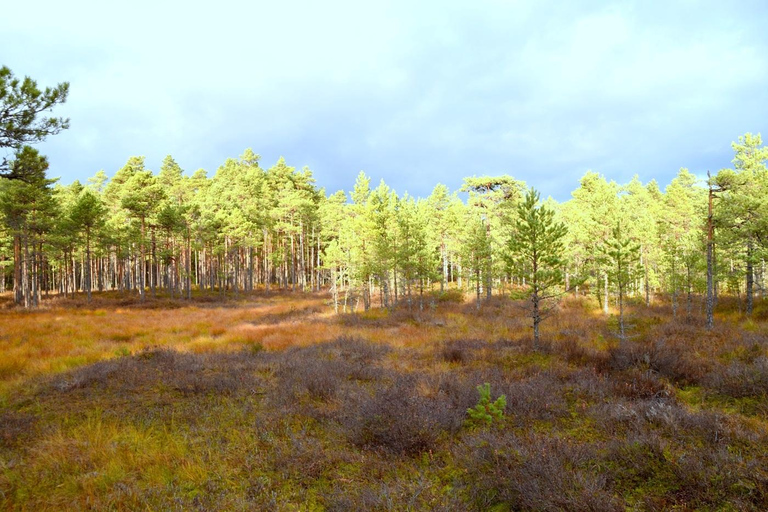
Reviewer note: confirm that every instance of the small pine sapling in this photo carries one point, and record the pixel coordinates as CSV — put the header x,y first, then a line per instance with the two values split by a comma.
x,y
485,412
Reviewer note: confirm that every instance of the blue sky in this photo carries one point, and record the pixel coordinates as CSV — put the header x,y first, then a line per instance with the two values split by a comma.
x,y
416,93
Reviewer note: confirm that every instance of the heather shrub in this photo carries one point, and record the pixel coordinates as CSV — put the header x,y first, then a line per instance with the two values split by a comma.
x,y
574,352
539,397
638,384
399,420
292,314
717,477
320,378
419,493
507,471
639,461
740,379
323,370
666,359
619,417
461,350
675,362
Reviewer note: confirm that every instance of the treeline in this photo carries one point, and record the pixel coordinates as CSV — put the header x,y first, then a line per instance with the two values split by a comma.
x,y
248,228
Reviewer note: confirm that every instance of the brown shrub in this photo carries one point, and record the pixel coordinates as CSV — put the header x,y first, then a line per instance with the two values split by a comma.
x,y
397,419
292,314
540,397
323,370
533,473
462,350
420,493
715,478
740,379
669,360
574,352
637,384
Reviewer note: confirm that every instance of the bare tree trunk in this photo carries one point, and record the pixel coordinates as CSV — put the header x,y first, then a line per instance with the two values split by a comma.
x,y
18,290
142,263
444,256
674,286
88,262
25,272
153,266
710,260
689,290
646,282
750,278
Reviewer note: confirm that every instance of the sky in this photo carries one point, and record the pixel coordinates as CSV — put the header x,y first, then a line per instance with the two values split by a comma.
x,y
415,93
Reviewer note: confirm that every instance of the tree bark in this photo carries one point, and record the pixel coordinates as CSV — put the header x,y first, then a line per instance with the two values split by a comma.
x,y
750,278
710,260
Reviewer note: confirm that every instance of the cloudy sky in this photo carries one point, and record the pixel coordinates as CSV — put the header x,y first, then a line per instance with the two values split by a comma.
x,y
412,92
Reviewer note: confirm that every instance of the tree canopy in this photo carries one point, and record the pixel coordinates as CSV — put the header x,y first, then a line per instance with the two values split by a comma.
x,y
22,104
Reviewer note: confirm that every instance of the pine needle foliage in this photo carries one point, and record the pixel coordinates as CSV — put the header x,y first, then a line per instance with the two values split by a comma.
x,y
536,252
486,412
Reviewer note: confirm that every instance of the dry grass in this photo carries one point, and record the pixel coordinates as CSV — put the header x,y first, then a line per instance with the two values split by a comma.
x,y
273,403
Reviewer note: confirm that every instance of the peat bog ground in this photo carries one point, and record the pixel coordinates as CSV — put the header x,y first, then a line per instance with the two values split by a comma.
x,y
272,402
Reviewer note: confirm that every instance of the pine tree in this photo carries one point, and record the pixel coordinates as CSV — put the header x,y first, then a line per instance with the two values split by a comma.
x,y
590,214
87,215
493,198
141,198
476,251
27,206
536,252
743,213
621,254
680,235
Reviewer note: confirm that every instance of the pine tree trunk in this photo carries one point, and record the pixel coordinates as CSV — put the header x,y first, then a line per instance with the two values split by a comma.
x,y
88,262
18,290
477,275
646,283
25,272
710,264
750,279
689,289
444,256
34,276
142,263
622,332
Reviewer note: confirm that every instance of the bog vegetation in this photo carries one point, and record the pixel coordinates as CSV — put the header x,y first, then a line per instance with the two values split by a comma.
x,y
274,402
248,341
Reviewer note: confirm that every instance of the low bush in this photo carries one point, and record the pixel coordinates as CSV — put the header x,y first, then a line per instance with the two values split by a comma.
x,y
664,358
505,471
399,420
461,350
323,370
740,379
